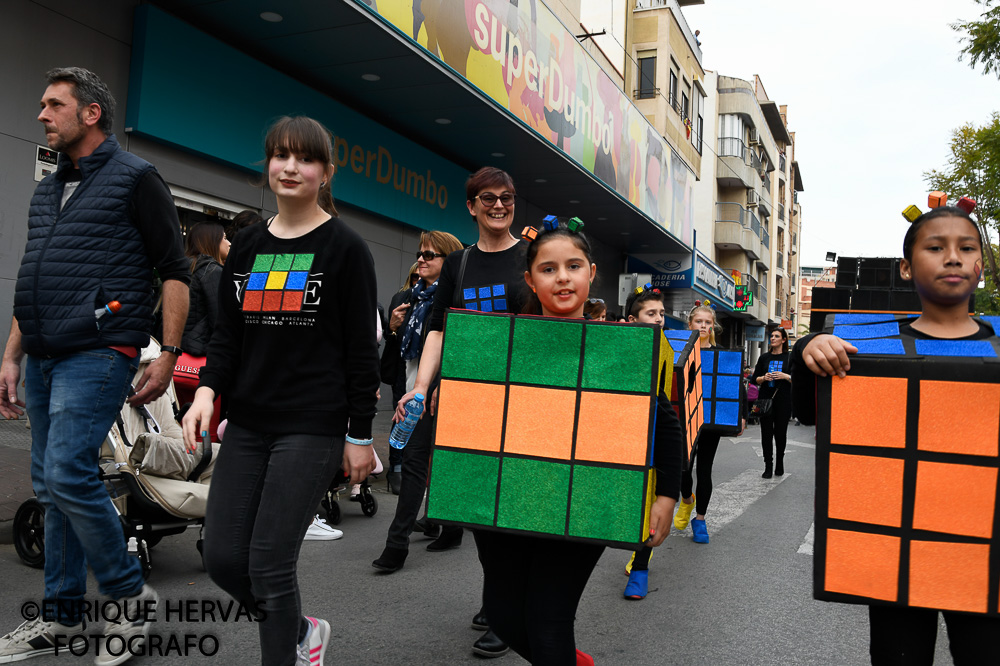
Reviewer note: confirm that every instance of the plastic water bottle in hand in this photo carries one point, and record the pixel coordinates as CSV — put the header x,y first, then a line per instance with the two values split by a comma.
x,y
401,432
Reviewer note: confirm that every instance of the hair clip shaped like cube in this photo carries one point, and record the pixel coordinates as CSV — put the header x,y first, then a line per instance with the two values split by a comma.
x,y
911,213
967,204
575,225
529,234
937,199
550,222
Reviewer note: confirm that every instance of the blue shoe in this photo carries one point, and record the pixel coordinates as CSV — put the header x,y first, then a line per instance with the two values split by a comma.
x,y
700,531
638,585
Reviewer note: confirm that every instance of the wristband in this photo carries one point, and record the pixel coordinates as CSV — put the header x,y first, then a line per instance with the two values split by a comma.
x,y
359,442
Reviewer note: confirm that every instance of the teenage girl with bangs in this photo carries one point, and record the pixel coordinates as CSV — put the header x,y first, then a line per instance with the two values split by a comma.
x,y
295,351
533,585
942,255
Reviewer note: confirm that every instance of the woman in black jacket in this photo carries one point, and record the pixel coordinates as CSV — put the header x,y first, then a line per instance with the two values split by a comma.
x,y
208,248
771,375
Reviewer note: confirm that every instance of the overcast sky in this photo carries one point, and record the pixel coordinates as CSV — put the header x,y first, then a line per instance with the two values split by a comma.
x,y
873,90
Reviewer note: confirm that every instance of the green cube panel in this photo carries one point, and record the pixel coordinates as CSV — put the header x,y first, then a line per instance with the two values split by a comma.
x,y
283,262
607,503
463,487
618,358
262,263
489,337
533,495
303,262
546,352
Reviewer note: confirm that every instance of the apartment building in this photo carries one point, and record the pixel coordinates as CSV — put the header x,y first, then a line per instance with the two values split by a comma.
x,y
811,277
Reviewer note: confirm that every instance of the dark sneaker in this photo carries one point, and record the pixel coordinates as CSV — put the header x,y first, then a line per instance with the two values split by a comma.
x,y
37,637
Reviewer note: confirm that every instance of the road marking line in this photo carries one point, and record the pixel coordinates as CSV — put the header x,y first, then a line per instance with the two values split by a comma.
x,y
732,498
807,546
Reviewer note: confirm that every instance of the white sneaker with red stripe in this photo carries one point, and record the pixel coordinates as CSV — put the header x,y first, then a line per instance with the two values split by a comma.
x,y
313,647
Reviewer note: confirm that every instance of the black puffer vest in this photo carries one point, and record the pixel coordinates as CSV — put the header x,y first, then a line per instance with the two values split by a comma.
x,y
84,256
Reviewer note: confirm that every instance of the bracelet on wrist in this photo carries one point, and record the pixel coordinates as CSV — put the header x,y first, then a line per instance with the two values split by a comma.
x,y
359,442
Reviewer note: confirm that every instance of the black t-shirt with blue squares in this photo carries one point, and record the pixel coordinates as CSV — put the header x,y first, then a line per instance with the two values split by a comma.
x,y
493,282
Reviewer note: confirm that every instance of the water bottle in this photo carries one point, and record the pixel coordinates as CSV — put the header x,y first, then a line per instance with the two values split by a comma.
x,y
111,308
401,432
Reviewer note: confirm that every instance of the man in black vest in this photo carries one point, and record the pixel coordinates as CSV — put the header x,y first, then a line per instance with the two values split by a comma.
x,y
83,308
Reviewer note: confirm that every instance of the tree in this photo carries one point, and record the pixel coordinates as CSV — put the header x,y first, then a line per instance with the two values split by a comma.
x,y
981,39
974,170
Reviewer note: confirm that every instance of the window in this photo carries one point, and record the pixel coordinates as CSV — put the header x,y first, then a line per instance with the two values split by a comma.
x,y
685,101
647,75
674,102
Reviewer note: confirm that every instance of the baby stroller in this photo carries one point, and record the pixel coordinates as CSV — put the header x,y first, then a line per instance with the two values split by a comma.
x,y
362,494
156,487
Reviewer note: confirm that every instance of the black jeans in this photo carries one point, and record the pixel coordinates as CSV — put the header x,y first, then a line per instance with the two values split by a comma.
x,y
265,489
532,587
775,426
416,457
906,637
704,458
398,391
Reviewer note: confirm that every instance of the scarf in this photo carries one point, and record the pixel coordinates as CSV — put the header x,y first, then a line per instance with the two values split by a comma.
x,y
412,342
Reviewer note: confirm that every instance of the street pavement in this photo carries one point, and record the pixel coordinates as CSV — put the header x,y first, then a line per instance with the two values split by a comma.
x,y
745,598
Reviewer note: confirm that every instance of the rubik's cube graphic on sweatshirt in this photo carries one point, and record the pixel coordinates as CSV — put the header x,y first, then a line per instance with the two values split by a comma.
x,y
491,298
277,283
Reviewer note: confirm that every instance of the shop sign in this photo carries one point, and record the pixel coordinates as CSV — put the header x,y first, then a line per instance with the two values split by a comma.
x,y
669,271
755,334
714,280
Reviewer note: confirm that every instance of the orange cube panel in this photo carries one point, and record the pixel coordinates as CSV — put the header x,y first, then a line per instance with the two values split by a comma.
x,y
955,499
866,565
540,422
975,434
456,400
949,576
881,503
871,411
613,428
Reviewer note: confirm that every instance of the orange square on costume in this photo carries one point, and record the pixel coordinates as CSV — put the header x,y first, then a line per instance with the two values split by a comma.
x,y
949,576
252,301
456,401
975,433
292,301
613,428
868,411
882,478
866,565
540,422
955,499
272,301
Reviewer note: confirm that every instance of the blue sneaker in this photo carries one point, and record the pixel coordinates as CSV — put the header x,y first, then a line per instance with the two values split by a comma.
x,y
700,531
638,585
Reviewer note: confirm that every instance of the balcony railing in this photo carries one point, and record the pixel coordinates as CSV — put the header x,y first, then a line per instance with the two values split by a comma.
x,y
777,308
753,161
732,147
763,294
726,211
765,238
766,177
645,93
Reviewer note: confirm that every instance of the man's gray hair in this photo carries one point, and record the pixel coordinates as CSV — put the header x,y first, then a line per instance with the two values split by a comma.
x,y
88,89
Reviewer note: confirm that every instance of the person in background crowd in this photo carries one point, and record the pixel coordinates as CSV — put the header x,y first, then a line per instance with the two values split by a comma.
x,y
207,247
81,355
595,309
491,273
775,382
242,220
394,372
302,394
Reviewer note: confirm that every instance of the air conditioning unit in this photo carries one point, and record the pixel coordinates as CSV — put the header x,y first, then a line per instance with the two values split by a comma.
x,y
752,198
754,137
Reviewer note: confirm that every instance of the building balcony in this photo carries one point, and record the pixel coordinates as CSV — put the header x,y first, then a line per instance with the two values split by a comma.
x,y
737,228
733,170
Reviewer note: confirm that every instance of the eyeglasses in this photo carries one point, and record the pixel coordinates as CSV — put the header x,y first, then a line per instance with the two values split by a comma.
x,y
595,301
428,255
489,199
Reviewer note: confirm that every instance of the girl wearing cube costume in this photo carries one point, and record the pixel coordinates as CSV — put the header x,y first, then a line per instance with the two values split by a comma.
x,y
532,584
943,256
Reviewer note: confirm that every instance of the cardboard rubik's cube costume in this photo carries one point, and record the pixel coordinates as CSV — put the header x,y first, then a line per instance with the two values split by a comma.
x,y
907,469
722,390
545,426
686,387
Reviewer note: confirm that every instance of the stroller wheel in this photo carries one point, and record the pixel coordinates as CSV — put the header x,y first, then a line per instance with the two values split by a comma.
x,y
144,559
332,512
29,533
369,504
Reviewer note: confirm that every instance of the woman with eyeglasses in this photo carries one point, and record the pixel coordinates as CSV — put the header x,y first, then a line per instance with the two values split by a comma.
x,y
488,277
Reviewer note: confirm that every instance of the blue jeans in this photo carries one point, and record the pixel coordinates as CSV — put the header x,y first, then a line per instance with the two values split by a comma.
x,y
72,401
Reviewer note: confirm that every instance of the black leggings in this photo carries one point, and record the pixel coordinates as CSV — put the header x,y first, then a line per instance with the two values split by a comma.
x,y
704,458
265,489
531,591
775,426
906,637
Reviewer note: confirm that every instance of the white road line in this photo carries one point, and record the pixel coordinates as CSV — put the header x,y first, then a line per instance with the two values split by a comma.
x,y
807,546
732,498
802,444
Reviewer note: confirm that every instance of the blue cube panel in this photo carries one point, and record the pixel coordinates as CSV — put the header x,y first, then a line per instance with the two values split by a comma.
x,y
955,348
707,362
861,332
887,346
730,362
727,387
727,413
869,318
